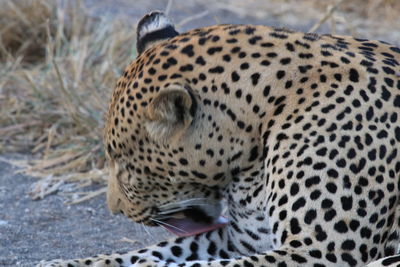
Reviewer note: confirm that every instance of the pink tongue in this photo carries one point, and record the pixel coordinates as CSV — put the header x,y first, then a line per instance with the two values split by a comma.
x,y
188,227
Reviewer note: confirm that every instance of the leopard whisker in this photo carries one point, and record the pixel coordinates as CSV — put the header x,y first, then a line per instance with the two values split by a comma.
x,y
163,216
147,231
179,208
167,224
163,227
170,211
181,203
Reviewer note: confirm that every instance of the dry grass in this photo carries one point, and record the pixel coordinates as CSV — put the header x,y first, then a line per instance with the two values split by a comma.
x,y
371,19
57,70
375,19
382,10
17,35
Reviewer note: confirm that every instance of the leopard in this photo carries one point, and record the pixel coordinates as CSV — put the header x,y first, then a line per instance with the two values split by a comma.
x,y
257,146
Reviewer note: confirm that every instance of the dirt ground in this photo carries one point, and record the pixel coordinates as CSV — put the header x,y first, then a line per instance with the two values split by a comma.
x,y
34,230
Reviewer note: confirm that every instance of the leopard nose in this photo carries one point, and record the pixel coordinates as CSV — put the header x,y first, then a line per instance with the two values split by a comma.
x,y
115,206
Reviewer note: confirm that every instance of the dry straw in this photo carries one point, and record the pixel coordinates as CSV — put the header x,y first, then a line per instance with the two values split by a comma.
x,y
58,66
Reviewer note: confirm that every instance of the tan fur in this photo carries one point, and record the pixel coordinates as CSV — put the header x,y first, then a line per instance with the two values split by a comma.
x,y
163,125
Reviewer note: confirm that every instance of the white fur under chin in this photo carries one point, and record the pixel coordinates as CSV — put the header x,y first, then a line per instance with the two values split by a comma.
x,y
159,21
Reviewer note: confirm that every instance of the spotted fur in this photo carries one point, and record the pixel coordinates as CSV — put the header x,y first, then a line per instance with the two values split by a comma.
x,y
298,132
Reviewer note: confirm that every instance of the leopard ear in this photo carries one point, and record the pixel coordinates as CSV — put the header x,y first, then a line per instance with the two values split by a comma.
x,y
170,113
153,28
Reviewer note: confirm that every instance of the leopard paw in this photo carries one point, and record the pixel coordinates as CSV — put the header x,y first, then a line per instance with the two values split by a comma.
x,y
58,263
94,262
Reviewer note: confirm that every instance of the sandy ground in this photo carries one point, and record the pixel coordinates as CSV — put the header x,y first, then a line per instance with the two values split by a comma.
x,y
34,230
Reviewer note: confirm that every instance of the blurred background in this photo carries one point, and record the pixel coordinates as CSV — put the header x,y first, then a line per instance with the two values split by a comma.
x,y
59,61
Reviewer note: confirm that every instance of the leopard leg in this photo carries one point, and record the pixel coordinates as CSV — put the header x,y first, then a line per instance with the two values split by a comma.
x,y
113,260
203,247
284,256
391,261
